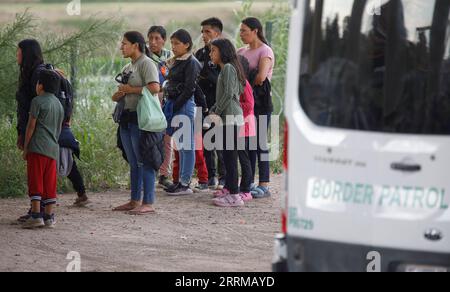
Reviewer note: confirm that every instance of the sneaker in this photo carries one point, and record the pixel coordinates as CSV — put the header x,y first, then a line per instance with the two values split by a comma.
x,y
229,201
222,193
164,182
33,223
261,192
222,183
82,201
24,218
181,190
171,188
246,197
202,187
213,183
49,221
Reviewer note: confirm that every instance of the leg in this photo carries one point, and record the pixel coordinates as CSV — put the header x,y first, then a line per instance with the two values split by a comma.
x,y
263,151
166,167
187,153
231,162
211,158
200,164
230,156
176,167
35,172
246,169
126,134
50,178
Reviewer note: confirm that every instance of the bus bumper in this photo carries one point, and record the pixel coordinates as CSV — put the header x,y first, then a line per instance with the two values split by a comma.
x,y
306,255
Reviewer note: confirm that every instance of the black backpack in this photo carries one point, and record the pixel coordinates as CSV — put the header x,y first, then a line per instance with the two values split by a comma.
x,y
65,93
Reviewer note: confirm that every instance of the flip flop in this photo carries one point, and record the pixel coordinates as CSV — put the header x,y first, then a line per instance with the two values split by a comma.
x,y
124,208
141,213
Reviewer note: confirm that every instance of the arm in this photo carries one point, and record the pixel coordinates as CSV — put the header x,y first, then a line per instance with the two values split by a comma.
x,y
230,82
263,72
29,134
154,88
190,83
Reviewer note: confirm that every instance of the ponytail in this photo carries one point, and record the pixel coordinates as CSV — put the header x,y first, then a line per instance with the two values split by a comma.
x,y
136,37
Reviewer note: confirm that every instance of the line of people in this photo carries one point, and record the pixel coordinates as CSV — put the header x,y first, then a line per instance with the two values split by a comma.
x,y
227,89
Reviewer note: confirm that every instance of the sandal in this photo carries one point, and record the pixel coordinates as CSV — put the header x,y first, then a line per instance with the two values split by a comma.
x,y
140,211
126,207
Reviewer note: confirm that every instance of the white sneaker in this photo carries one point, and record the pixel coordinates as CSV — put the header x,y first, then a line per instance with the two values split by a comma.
x,y
32,223
50,223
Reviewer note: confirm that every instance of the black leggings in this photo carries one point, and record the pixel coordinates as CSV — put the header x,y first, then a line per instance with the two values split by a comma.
x,y
77,180
231,158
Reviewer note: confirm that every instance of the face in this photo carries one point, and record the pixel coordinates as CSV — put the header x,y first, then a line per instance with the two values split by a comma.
x,y
247,34
209,34
39,89
19,56
156,42
178,48
128,49
215,55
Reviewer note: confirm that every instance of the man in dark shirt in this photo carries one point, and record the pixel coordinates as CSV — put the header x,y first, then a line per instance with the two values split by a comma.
x,y
211,29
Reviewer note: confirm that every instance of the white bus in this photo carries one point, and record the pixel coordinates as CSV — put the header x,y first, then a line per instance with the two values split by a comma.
x,y
367,155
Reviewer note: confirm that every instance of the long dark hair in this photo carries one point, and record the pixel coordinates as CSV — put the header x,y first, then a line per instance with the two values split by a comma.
x,y
254,23
31,58
136,37
228,55
183,36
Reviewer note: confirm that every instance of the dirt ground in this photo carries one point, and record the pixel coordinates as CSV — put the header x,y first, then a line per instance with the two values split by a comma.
x,y
186,234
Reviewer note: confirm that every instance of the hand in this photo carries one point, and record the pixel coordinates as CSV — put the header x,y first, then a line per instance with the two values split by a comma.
x,y
215,119
118,96
24,155
126,88
20,142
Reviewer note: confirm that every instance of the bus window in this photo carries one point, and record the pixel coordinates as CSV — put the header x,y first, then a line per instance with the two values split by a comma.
x,y
385,69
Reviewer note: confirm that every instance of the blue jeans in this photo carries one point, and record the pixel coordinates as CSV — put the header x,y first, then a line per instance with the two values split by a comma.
x,y
186,143
140,174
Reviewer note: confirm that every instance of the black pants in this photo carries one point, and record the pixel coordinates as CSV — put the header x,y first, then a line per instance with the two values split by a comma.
x,y
246,168
230,157
261,154
77,180
214,158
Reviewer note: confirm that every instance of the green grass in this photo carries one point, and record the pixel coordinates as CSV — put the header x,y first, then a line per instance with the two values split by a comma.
x,y
102,165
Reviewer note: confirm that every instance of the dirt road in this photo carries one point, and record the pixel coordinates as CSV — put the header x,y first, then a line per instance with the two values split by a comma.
x,y
186,234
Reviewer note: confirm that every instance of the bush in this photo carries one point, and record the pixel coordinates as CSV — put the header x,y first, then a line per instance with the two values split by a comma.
x,y
101,164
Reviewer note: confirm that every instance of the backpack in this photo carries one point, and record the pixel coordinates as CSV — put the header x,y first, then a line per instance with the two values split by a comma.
x,y
65,93
163,70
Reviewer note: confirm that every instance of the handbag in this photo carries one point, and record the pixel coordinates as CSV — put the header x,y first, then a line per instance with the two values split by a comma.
x,y
150,115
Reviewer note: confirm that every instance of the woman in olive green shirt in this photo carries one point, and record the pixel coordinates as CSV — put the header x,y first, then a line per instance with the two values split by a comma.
x,y
230,86
143,73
